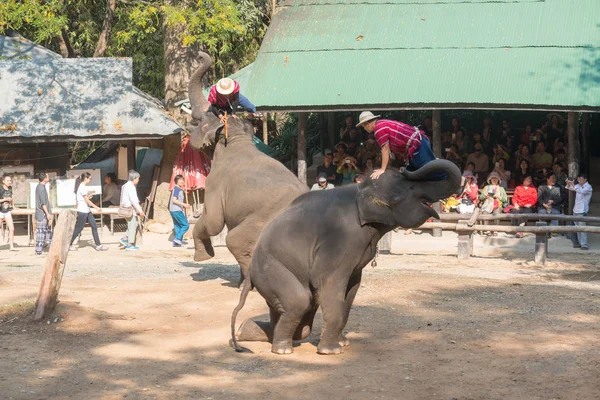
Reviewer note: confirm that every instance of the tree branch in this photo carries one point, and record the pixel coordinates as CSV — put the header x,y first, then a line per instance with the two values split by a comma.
x,y
111,6
66,50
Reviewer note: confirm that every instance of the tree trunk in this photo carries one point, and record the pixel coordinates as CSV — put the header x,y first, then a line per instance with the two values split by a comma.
x,y
111,6
66,50
573,152
302,117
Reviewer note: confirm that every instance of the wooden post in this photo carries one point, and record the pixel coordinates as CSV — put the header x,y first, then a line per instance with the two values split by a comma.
x,y
302,116
322,132
573,152
331,129
437,232
266,128
541,245
585,143
385,243
465,241
436,121
55,264
130,155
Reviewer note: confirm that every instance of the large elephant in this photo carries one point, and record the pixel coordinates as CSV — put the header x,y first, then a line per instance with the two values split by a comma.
x,y
313,253
245,188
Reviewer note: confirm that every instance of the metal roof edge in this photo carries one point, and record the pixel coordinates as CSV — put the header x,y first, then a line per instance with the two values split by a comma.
x,y
102,138
417,107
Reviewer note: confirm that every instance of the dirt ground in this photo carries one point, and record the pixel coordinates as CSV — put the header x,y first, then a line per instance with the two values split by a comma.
x,y
154,324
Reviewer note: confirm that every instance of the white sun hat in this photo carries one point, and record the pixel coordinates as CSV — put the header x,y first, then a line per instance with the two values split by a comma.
x,y
225,86
366,116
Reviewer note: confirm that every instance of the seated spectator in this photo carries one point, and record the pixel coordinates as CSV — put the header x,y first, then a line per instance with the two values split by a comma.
x,y
340,153
559,145
500,153
453,155
553,128
536,137
348,125
359,178
369,167
353,150
461,142
561,178
523,171
506,134
369,151
348,170
446,142
111,194
352,136
550,199
524,201
481,162
559,156
500,169
322,183
493,198
328,169
469,196
526,136
541,159
522,154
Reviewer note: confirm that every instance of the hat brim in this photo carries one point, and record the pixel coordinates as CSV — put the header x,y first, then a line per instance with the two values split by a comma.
x,y
223,91
369,120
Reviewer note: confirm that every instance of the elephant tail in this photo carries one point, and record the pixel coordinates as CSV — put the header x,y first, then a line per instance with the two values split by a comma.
x,y
243,296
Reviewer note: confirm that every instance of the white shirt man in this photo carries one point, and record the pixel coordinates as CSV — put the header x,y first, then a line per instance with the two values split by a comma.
x,y
583,196
322,183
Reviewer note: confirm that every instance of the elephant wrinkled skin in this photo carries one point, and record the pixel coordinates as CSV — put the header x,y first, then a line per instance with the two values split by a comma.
x,y
313,253
245,188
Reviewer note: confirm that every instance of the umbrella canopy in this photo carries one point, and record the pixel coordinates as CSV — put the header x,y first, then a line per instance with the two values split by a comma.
x,y
192,164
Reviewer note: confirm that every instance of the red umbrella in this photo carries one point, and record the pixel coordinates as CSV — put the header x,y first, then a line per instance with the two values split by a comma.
x,y
192,164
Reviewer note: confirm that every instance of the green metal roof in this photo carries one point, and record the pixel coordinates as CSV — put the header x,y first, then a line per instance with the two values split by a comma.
x,y
387,54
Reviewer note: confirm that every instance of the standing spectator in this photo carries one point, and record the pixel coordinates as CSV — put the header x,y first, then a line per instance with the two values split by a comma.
x,y
43,214
322,183
6,206
553,128
130,201
428,128
111,195
456,128
541,159
494,199
526,136
480,161
348,125
477,139
524,201
369,167
406,141
348,170
550,200
561,177
328,169
583,196
176,206
84,214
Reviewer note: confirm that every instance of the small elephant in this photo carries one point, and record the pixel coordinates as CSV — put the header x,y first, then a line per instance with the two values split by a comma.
x,y
313,253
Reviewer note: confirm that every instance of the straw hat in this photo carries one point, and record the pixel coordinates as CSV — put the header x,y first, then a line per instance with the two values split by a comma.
x,y
365,117
561,119
225,86
493,175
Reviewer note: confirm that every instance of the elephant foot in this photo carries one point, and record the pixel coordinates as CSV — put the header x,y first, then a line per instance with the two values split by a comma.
x,y
343,340
201,255
204,250
325,349
284,347
254,331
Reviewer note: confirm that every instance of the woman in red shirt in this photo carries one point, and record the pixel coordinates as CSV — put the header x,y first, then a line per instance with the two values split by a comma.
x,y
524,201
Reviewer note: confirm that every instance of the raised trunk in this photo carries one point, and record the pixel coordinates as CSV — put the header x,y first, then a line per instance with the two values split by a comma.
x,y
439,189
199,103
111,6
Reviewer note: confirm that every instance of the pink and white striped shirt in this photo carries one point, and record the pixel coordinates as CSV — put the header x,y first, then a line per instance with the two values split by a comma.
x,y
398,135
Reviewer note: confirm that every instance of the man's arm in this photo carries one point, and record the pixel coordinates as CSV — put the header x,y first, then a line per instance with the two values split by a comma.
x,y
385,159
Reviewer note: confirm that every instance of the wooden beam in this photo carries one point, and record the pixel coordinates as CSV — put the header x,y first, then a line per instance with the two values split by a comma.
x,y
55,264
573,152
511,217
130,155
436,120
302,118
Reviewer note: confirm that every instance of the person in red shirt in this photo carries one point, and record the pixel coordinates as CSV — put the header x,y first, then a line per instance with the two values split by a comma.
x,y
407,142
524,201
225,97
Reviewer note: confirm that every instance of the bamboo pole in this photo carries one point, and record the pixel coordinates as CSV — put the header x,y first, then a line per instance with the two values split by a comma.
x,y
55,264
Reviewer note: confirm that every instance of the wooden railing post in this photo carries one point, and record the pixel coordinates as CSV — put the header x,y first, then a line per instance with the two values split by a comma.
x,y
541,245
55,264
465,240
385,243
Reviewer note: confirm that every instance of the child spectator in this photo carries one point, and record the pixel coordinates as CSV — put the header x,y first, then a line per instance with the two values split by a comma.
x,y
176,207
524,201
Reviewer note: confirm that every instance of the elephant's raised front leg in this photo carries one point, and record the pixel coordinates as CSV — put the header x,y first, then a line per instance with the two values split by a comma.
x,y
210,223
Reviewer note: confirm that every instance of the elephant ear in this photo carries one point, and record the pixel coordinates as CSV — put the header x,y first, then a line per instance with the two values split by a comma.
x,y
372,208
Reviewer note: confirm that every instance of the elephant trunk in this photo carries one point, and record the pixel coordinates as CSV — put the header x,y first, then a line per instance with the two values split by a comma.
x,y
199,103
437,189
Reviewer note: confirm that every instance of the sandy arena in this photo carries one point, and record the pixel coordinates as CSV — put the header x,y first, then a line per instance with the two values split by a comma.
x,y
155,325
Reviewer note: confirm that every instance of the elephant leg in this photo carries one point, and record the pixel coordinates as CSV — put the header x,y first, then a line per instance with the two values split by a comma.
x,y
240,242
333,305
305,327
258,331
351,291
210,223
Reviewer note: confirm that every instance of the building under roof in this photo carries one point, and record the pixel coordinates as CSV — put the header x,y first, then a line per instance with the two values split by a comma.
x,y
328,55
47,98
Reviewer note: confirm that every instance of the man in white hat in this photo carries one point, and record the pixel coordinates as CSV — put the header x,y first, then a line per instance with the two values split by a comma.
x,y
225,97
407,142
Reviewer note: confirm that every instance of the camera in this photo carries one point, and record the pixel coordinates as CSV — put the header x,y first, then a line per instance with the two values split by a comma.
x,y
347,161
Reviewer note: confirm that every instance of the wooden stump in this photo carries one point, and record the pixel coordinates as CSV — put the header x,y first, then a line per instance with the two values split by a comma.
x,y
465,241
385,243
541,246
55,264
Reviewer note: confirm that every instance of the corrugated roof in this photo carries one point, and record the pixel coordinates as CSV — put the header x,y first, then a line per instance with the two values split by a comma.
x,y
46,98
342,55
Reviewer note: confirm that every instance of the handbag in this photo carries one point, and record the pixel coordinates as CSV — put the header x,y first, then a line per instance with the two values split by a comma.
x,y
125,212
